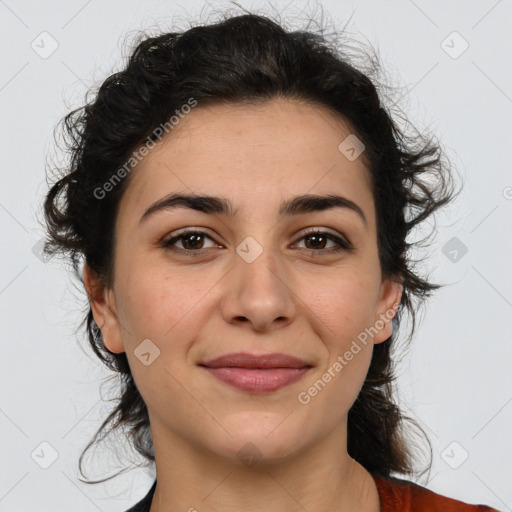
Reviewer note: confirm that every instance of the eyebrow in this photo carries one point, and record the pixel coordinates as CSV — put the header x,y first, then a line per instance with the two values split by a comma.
x,y
306,203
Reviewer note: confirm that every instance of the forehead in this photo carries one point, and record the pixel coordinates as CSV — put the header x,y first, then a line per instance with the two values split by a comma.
x,y
251,152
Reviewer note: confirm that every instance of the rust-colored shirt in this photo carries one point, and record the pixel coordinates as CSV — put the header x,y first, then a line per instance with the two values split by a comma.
x,y
396,495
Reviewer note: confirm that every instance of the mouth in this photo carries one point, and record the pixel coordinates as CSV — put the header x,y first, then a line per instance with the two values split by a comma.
x,y
257,373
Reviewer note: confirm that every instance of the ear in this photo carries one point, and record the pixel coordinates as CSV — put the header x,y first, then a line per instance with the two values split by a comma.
x,y
389,301
103,307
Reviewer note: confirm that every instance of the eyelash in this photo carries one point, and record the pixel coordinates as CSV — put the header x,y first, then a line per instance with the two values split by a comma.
x,y
343,245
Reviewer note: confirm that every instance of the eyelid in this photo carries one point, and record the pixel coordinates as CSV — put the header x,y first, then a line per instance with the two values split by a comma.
x,y
182,233
205,231
324,231
342,243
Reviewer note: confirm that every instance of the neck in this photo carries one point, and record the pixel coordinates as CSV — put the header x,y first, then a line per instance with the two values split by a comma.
x,y
321,478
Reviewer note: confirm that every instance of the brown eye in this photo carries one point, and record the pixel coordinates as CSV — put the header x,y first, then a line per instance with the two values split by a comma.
x,y
192,242
317,240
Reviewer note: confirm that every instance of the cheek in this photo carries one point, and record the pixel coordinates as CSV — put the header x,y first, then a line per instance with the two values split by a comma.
x,y
157,305
164,311
343,312
344,305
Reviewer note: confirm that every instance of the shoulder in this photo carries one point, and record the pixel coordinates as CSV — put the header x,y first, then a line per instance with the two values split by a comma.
x,y
144,504
402,495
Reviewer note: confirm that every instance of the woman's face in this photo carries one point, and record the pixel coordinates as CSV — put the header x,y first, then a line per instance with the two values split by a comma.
x,y
253,280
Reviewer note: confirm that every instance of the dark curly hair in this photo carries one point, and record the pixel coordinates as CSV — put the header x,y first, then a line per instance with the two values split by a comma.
x,y
250,58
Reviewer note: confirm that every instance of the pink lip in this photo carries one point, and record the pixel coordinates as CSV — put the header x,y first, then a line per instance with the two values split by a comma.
x,y
257,373
258,381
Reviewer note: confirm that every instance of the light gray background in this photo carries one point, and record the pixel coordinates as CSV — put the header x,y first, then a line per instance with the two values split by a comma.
x,y
456,379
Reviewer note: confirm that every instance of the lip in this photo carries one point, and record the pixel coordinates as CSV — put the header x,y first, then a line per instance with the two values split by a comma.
x,y
257,380
255,361
257,373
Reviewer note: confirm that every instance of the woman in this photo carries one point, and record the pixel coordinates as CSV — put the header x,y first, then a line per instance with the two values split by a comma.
x,y
241,201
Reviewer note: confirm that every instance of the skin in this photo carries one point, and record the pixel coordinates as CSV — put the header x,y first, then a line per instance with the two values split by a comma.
x,y
287,300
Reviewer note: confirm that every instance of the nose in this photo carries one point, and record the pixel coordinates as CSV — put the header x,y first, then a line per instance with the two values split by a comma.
x,y
260,293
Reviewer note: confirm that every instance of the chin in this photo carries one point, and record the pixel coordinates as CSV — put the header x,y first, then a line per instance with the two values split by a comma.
x,y
262,438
